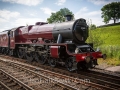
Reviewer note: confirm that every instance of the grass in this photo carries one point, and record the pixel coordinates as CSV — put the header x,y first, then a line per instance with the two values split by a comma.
x,y
110,61
108,40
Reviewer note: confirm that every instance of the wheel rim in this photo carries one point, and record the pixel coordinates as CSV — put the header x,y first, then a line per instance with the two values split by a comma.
x,y
21,53
3,51
69,64
52,62
92,64
0,50
43,59
7,52
40,58
29,57
84,66
10,52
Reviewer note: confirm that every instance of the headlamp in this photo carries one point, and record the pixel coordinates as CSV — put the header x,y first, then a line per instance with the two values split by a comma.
x,y
87,59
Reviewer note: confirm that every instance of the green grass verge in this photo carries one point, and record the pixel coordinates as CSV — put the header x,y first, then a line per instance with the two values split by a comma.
x,y
108,40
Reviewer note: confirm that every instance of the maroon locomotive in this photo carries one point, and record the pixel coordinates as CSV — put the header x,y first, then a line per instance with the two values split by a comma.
x,y
60,43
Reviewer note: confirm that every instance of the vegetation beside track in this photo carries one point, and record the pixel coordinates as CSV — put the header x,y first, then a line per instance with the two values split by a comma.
x,y
108,40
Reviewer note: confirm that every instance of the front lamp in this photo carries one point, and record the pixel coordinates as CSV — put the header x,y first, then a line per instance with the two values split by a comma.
x,y
87,59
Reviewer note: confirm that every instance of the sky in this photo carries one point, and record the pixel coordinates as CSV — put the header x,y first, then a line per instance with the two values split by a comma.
x,y
14,13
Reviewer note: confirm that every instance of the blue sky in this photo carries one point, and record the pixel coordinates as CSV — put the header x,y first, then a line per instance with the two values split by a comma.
x,y
14,13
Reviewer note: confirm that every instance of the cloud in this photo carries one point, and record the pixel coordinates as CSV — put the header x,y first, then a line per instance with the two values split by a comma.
x,y
25,21
5,14
102,2
95,16
94,13
2,20
47,10
7,18
60,2
5,25
25,2
81,12
31,14
84,9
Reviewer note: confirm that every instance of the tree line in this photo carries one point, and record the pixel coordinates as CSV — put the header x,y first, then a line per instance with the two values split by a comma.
x,y
110,11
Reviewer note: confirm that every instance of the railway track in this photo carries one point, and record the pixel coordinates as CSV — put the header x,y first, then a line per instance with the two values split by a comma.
x,y
12,67
3,86
103,79
14,74
10,83
95,80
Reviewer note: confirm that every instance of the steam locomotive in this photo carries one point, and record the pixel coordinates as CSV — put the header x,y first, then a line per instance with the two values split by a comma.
x,y
59,43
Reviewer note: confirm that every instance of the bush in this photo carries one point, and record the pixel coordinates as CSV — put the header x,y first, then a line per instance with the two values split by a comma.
x,y
108,40
92,26
94,37
111,51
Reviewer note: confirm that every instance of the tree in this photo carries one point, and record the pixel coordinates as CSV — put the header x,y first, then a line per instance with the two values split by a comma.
x,y
92,27
59,16
111,11
89,22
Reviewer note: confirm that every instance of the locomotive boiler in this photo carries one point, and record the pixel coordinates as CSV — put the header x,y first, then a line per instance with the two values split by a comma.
x,y
73,31
58,43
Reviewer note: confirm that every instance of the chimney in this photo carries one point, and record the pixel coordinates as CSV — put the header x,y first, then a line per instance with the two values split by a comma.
x,y
68,17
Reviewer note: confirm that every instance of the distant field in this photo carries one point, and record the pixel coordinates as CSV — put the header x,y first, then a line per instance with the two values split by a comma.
x,y
108,40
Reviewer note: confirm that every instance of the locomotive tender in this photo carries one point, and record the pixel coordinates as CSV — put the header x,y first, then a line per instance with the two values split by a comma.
x,y
60,43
